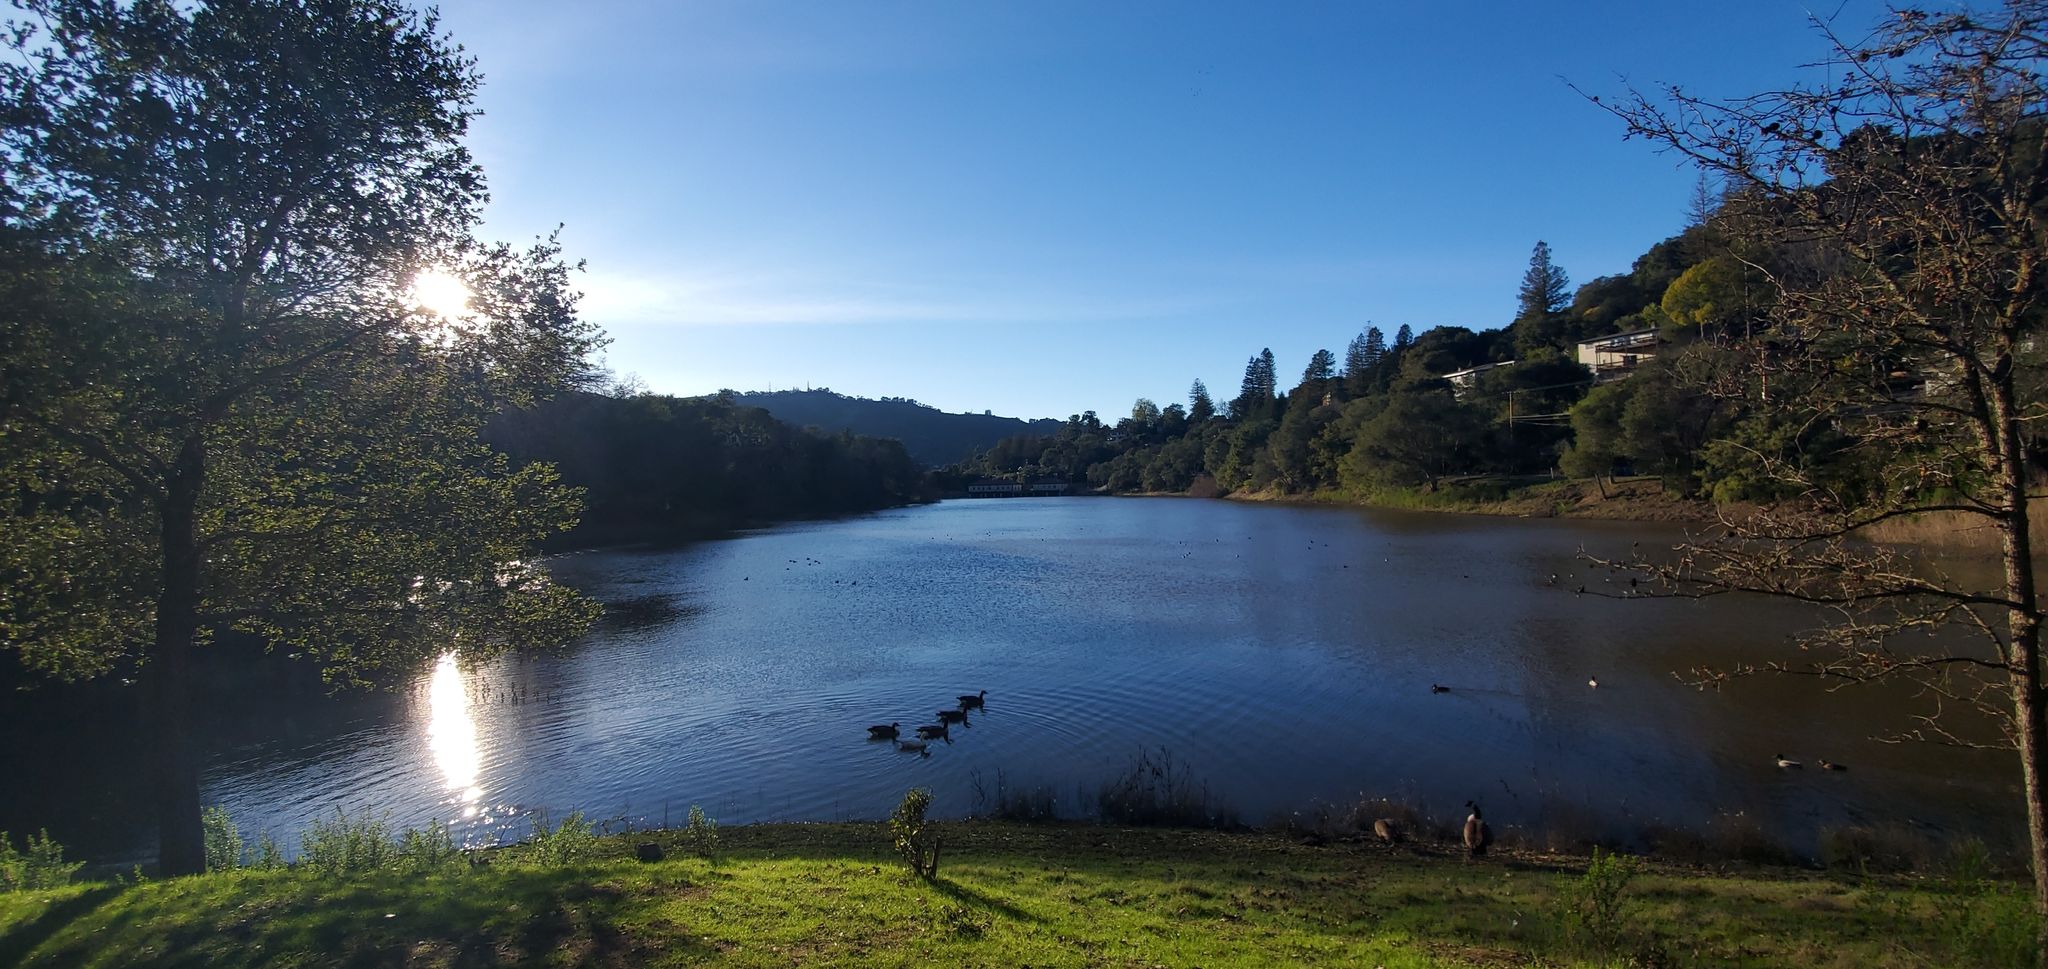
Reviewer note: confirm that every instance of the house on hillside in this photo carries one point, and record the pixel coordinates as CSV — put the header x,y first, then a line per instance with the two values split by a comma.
x,y
994,488
1463,381
1617,355
999,488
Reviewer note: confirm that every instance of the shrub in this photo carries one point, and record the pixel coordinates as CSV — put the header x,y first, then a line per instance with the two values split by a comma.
x,y
996,799
223,841
1593,906
267,855
1887,848
569,843
700,833
40,865
348,844
1158,789
432,849
1985,922
916,840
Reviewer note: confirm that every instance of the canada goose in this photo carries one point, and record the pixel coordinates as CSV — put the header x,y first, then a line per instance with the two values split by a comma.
x,y
952,716
932,731
974,702
1386,830
882,731
1439,688
1477,834
1831,765
1783,762
1593,682
913,747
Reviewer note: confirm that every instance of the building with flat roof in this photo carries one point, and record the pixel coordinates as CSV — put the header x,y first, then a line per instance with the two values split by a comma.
x,y
1617,355
1463,381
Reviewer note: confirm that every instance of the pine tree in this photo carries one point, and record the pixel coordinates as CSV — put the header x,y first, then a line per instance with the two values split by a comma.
x,y
1403,338
1362,362
1200,407
1321,367
1257,390
1545,287
1357,360
1540,323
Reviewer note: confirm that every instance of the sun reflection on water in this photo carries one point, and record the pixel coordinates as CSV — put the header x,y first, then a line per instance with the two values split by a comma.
x,y
451,734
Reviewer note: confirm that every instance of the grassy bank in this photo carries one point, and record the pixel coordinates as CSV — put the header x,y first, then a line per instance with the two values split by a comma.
x,y
1009,895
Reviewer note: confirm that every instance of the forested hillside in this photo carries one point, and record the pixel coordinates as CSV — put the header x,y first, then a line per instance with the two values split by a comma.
x,y
1382,415
933,437
655,467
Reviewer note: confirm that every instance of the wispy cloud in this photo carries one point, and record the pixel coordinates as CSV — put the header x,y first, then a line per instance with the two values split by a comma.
x,y
612,297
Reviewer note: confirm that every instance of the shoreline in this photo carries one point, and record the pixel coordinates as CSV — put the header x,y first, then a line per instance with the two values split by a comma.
x,y
1005,894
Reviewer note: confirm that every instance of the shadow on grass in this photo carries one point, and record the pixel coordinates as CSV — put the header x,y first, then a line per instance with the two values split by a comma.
x,y
968,896
536,917
17,943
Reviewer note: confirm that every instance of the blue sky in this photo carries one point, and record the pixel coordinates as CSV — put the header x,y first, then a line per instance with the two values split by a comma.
x,y
1041,208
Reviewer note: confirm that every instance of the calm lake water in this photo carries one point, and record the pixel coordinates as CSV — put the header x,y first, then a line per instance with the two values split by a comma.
x,y
1285,654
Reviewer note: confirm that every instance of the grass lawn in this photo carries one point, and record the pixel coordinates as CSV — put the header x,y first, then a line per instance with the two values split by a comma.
x,y
1006,895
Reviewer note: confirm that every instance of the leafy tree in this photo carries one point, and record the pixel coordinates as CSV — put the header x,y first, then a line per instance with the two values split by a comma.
x,y
1403,338
1915,186
1201,409
1719,296
1606,305
1598,449
223,409
1173,420
1422,434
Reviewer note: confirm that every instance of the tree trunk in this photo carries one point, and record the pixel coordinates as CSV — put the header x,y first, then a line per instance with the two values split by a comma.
x,y
2023,653
2033,742
181,844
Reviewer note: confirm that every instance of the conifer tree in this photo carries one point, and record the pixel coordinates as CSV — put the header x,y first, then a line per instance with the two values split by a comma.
x,y
1321,367
1200,408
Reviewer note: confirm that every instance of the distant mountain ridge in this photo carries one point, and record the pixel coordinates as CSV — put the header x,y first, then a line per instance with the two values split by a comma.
x,y
933,437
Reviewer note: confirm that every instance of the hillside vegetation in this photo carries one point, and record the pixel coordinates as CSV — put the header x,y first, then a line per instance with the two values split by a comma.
x,y
933,437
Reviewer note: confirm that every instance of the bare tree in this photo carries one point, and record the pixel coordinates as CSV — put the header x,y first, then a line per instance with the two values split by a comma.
x,y
1900,206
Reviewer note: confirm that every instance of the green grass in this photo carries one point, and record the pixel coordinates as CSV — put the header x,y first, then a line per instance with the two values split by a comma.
x,y
1006,895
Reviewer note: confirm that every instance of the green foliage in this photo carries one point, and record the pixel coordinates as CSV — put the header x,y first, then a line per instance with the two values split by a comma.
x,y
38,865
1720,296
348,845
960,921
569,843
700,834
1593,910
1420,435
1985,922
654,464
223,410
915,838
223,840
432,849
1047,895
267,855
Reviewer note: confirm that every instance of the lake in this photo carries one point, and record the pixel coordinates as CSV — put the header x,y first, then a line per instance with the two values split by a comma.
x,y
1285,655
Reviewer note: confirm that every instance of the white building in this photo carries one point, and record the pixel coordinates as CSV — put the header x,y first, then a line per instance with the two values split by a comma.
x,y
1617,355
1464,380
